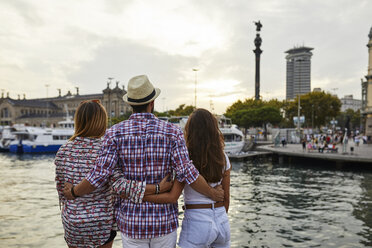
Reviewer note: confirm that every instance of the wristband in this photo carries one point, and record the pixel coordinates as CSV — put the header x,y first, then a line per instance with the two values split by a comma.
x,y
73,193
157,189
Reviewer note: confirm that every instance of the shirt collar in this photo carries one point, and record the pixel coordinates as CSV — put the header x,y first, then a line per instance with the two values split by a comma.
x,y
142,116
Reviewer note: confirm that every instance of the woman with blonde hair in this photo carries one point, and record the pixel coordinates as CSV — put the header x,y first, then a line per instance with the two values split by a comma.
x,y
89,220
205,222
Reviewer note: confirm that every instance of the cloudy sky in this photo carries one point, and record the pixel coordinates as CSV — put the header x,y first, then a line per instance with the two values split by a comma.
x,y
81,43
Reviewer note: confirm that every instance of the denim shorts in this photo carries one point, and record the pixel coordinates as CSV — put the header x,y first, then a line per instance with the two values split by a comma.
x,y
205,228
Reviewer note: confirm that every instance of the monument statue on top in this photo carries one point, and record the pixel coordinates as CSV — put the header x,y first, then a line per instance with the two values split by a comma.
x,y
257,51
258,26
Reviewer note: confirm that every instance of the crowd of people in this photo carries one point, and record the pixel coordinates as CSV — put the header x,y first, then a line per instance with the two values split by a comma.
x,y
329,142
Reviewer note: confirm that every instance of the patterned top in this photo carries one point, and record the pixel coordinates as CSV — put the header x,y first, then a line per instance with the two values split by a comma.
x,y
88,220
146,149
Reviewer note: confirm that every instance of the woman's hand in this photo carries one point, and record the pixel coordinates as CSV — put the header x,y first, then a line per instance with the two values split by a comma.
x,y
218,194
67,191
166,184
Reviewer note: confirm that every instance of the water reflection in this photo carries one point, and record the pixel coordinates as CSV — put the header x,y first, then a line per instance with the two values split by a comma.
x,y
363,210
272,205
280,205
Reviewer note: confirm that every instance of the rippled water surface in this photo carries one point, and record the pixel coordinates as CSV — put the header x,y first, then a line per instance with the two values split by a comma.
x,y
272,205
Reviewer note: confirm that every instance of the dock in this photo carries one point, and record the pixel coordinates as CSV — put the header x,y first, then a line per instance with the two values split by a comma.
x,y
361,154
248,155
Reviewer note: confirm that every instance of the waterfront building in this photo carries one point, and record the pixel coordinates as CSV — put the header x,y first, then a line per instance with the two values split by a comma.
x,y
348,102
49,111
317,90
367,93
298,71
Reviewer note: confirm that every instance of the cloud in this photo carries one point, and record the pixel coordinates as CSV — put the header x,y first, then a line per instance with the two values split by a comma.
x,y
81,43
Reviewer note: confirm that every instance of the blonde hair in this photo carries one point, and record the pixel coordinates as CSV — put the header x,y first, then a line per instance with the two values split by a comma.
x,y
90,120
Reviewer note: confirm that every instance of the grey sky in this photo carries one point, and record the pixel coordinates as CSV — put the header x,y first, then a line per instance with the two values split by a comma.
x,y
81,43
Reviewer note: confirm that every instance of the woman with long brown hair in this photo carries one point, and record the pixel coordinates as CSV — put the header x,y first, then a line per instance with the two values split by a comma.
x,y
205,222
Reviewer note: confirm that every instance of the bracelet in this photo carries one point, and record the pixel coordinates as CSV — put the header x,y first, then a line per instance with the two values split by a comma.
x,y
73,193
157,189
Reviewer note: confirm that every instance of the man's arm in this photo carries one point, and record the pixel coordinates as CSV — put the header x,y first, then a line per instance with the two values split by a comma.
x,y
135,190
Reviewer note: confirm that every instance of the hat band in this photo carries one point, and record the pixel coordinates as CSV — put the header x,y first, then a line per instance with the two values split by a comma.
x,y
145,99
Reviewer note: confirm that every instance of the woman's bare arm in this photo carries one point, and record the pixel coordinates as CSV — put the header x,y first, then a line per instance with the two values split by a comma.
x,y
226,189
168,197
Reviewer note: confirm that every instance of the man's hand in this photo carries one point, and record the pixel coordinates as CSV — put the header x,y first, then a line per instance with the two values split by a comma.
x,y
165,184
67,191
218,193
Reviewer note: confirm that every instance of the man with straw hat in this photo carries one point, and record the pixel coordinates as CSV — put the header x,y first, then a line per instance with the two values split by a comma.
x,y
145,149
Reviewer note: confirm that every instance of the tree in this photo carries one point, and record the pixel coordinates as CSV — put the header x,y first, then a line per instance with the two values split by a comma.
x,y
317,107
182,110
115,120
255,113
349,119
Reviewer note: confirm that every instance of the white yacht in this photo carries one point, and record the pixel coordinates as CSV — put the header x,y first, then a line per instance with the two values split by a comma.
x,y
234,138
179,121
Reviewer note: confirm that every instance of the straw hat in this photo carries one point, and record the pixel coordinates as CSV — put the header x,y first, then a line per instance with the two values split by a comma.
x,y
140,91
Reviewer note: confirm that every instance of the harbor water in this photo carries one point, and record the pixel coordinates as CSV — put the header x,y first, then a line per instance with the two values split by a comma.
x,y
272,205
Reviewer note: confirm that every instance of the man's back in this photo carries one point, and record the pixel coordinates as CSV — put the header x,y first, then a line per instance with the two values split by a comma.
x,y
147,150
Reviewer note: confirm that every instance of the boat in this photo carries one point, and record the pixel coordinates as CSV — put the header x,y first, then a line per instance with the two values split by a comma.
x,y
40,140
179,121
8,135
233,137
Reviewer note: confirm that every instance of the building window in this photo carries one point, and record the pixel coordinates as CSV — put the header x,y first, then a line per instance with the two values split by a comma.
x,y
5,113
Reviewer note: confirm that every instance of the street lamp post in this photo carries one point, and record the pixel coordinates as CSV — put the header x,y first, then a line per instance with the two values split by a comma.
x,y
47,104
109,99
299,97
312,116
196,80
163,104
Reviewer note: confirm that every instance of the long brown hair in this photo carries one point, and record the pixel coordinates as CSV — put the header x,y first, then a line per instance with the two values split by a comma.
x,y
90,120
205,143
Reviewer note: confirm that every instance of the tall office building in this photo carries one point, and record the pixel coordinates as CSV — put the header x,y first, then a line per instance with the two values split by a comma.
x,y
298,71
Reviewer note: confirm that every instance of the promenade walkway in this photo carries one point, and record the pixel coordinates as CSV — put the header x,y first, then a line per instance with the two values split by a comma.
x,y
361,153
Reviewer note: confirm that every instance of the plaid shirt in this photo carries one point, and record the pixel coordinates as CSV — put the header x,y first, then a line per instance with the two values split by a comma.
x,y
146,149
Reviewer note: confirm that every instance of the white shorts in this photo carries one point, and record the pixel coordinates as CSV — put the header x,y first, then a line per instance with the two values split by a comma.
x,y
166,241
205,228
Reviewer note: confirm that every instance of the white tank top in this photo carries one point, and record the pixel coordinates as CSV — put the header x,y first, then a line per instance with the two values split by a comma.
x,y
191,195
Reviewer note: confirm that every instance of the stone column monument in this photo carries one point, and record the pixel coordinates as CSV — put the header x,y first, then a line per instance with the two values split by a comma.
x,y
367,111
257,51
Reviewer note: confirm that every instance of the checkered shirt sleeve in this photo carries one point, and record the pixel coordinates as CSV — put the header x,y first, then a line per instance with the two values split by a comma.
x,y
135,191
